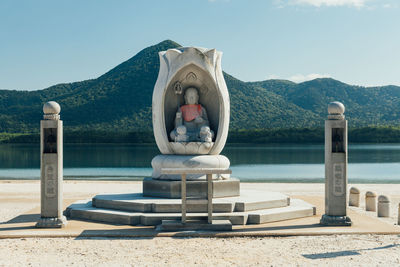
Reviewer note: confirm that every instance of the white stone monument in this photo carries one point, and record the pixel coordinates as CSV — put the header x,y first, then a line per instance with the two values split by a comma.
x,y
335,167
190,122
51,168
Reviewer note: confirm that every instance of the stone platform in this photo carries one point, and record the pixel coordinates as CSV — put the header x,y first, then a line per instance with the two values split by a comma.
x,y
251,207
22,211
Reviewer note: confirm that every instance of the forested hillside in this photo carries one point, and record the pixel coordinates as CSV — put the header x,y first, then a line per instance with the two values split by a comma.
x,y
120,101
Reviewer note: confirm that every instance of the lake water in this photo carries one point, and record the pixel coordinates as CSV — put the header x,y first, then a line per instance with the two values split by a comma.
x,y
372,163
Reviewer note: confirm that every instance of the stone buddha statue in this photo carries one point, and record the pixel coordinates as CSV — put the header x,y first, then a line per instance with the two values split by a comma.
x,y
191,121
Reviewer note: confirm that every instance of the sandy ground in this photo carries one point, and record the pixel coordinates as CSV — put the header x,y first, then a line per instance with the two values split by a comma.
x,y
366,250
336,250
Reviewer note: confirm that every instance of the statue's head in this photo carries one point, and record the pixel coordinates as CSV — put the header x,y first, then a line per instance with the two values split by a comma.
x,y
191,96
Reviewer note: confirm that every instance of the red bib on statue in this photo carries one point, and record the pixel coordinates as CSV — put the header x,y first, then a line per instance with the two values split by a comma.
x,y
190,112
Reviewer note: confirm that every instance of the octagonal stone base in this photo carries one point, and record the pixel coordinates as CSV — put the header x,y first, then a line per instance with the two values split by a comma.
x,y
251,207
172,189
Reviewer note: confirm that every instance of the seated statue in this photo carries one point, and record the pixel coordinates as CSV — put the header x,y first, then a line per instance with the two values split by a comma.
x,y
191,121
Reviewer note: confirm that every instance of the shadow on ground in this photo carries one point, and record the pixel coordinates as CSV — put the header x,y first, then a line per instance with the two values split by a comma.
x,y
276,228
24,218
336,254
141,233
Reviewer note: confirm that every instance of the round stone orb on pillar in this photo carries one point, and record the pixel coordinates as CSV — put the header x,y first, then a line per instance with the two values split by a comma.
x,y
336,110
51,110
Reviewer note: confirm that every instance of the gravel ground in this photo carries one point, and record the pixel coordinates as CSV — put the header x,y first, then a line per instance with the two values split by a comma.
x,y
349,250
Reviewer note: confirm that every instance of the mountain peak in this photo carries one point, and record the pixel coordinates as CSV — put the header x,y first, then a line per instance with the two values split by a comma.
x,y
168,43
162,46
147,56
325,81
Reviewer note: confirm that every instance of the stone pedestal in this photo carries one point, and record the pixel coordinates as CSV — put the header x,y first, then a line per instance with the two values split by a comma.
x,y
169,185
172,189
330,220
51,168
335,167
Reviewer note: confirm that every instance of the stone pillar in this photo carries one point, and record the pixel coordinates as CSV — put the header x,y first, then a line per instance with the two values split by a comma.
x,y
51,168
354,198
398,218
383,206
336,167
370,201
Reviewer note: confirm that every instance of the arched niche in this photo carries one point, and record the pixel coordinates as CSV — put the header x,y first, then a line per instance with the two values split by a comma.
x,y
209,98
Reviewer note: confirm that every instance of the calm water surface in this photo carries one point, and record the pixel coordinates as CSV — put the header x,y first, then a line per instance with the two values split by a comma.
x,y
263,163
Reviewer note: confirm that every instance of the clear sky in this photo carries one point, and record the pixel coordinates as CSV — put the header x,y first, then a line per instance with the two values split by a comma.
x,y
45,42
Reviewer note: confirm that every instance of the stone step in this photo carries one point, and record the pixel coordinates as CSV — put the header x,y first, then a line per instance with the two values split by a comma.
x,y
85,211
138,203
248,201
175,226
236,218
297,209
256,200
106,216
